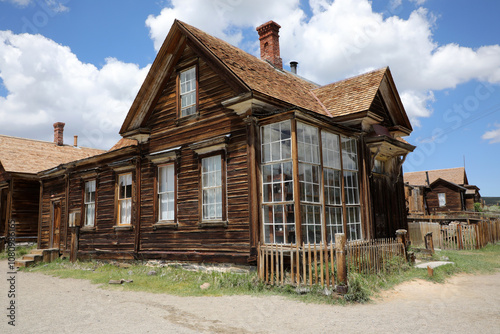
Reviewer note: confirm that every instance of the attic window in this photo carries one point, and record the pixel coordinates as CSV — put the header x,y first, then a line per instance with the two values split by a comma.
x,y
187,89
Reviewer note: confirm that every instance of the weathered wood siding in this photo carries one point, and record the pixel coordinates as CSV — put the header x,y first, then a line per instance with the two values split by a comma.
x,y
104,237
189,240
453,199
388,202
24,208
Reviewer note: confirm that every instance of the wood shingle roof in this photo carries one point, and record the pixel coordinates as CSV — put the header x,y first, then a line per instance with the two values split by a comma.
x,y
21,155
454,175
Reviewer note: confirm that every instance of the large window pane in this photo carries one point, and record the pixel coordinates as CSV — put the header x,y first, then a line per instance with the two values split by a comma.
x,y
309,183
353,223
333,190
125,198
279,224
331,150
276,142
311,223
307,143
349,153
211,179
187,83
166,192
334,223
89,202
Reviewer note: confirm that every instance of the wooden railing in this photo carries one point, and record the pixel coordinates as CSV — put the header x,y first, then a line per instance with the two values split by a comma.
x,y
310,264
456,235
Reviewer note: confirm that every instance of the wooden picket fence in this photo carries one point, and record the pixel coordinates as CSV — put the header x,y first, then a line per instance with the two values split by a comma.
x,y
312,264
374,256
456,236
297,265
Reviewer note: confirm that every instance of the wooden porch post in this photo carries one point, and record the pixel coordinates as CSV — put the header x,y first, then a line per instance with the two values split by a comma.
x,y
253,181
340,241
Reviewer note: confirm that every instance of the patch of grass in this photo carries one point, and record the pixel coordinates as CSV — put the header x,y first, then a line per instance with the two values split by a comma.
x,y
181,282
20,251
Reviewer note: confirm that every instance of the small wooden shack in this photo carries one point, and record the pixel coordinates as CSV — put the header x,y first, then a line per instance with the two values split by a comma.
x,y
20,161
441,190
223,151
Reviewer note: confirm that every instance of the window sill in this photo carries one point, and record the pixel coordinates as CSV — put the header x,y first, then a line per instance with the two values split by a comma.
x,y
122,228
88,229
165,225
212,223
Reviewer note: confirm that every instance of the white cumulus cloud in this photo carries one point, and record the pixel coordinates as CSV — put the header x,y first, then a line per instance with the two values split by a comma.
x,y
344,38
46,83
493,136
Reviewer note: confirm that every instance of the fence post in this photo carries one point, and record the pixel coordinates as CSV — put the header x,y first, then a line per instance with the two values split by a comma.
x,y
429,244
402,236
459,237
340,241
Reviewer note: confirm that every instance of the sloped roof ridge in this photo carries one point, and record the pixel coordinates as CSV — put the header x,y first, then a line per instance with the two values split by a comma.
x,y
382,69
48,142
252,71
435,170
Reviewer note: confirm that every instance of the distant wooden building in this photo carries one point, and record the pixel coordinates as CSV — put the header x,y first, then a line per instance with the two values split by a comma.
x,y
440,190
20,161
228,151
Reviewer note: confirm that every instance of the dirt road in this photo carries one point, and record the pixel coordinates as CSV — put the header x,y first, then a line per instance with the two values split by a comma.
x,y
44,304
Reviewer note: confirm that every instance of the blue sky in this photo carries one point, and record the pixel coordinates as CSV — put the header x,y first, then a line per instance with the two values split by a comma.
x,y
82,62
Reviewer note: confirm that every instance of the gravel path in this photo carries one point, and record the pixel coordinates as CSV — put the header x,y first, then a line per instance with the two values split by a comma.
x,y
44,304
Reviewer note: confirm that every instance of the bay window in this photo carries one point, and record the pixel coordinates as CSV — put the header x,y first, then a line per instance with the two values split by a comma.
x,y
328,189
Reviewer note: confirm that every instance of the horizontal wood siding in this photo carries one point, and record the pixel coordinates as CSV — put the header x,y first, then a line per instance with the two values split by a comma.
x,y
453,200
25,201
189,239
214,120
388,202
104,237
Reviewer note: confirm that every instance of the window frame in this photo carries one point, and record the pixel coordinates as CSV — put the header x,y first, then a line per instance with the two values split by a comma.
x,y
158,194
275,208
85,203
193,65
332,225
443,195
117,199
222,221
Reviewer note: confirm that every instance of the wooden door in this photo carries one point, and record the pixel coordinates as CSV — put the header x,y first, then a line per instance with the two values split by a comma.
x,y
56,224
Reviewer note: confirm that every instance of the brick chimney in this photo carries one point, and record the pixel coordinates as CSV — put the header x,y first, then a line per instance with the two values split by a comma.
x,y
58,133
270,43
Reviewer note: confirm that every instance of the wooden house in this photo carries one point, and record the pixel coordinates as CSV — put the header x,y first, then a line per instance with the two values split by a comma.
x,y
231,151
442,190
20,161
